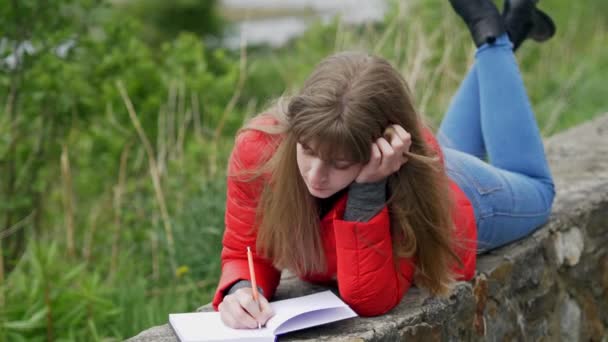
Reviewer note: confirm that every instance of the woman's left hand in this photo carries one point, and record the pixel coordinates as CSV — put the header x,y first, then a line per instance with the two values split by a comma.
x,y
386,157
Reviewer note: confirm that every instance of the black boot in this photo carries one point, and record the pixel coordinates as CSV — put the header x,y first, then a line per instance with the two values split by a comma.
x,y
523,20
482,18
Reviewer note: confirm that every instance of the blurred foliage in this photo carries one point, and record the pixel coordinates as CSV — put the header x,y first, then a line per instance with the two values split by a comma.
x,y
71,98
164,20
61,102
60,62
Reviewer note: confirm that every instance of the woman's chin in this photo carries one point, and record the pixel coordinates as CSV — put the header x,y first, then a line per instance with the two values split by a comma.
x,y
319,193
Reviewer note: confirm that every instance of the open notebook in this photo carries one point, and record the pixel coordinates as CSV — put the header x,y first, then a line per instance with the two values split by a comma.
x,y
290,315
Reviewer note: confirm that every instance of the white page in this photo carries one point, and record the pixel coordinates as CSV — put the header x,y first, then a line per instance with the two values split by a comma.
x,y
315,318
208,326
286,309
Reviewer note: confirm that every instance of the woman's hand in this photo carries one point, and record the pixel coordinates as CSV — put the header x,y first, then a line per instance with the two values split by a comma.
x,y
240,311
386,158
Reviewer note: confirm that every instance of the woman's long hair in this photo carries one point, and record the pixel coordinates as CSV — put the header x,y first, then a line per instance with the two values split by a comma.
x,y
346,104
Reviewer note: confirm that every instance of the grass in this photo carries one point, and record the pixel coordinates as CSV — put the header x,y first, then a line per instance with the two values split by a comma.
x,y
123,277
432,48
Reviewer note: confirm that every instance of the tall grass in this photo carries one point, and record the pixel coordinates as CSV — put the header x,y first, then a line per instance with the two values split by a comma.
x,y
149,244
430,45
108,269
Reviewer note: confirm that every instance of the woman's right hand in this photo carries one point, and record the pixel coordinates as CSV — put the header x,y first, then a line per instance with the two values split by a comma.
x,y
240,311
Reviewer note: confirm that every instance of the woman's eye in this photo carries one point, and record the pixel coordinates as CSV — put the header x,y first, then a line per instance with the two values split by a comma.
x,y
341,166
307,150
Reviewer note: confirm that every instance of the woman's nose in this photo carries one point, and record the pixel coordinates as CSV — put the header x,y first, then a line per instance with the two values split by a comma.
x,y
318,172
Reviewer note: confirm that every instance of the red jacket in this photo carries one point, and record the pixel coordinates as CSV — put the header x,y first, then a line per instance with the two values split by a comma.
x,y
367,279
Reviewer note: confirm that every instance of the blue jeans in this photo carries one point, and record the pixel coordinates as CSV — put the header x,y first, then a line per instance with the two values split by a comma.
x,y
490,118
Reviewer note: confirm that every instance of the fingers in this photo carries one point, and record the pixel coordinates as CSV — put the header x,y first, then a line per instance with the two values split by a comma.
x,y
403,134
401,141
239,310
394,154
375,157
233,314
266,312
245,298
260,311
386,149
391,157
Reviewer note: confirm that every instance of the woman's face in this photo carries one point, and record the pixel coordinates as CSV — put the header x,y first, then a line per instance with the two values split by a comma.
x,y
324,177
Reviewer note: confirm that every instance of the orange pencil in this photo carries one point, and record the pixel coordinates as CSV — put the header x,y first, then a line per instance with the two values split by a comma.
x,y
252,275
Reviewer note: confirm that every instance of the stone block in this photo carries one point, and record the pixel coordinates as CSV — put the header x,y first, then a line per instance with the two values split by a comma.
x,y
569,246
570,320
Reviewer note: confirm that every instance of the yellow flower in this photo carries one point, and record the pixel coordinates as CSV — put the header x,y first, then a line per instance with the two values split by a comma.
x,y
180,271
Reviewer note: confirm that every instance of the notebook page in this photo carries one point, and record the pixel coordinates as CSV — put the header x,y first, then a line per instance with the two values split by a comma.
x,y
208,326
314,318
289,308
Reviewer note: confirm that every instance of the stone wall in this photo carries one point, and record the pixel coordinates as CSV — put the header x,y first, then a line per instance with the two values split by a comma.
x,y
551,286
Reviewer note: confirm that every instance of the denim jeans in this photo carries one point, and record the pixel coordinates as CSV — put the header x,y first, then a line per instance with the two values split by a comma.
x,y
493,149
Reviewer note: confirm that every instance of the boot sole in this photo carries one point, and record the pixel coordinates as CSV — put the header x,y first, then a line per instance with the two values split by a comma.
x,y
543,27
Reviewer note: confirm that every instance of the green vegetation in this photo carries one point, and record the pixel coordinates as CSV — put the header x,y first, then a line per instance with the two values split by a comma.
x,y
112,154
163,20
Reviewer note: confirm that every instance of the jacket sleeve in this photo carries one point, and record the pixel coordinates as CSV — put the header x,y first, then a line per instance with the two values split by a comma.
x,y
369,281
242,198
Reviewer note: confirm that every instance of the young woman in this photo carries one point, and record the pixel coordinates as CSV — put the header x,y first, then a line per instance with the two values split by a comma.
x,y
343,183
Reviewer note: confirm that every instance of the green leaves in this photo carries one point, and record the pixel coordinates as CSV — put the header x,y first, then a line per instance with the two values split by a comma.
x,y
69,99
49,293
35,321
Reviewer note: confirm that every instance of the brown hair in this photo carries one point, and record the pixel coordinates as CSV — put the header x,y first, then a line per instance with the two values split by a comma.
x,y
347,103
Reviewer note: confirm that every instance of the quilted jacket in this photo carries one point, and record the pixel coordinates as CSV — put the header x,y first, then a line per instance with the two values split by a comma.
x,y
359,254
